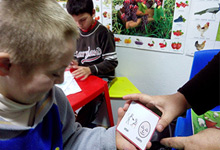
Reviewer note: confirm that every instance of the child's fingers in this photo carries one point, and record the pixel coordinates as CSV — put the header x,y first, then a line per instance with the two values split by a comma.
x,y
127,104
121,113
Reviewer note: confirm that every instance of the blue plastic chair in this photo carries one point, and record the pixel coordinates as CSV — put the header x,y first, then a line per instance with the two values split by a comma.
x,y
201,59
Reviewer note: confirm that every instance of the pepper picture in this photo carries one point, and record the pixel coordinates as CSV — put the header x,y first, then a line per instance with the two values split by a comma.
x,y
127,41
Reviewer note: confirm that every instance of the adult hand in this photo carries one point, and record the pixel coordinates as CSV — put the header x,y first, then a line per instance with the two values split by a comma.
x,y
171,106
207,139
81,71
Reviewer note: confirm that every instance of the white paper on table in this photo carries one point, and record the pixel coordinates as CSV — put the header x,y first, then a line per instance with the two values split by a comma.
x,y
69,85
138,124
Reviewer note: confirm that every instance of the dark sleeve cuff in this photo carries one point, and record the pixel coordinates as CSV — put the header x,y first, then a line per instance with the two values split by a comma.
x,y
94,69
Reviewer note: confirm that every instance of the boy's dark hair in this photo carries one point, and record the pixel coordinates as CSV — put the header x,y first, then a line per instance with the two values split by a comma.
x,y
76,7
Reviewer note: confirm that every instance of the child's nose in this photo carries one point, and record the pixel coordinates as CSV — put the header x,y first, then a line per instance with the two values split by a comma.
x,y
79,24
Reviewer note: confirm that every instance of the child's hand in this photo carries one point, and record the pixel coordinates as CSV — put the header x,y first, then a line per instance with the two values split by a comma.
x,y
72,64
81,71
121,142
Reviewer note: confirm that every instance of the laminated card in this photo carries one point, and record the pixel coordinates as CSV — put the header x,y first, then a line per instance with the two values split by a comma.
x,y
69,85
138,125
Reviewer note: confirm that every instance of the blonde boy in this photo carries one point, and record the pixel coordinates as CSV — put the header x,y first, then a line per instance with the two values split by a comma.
x,y
37,42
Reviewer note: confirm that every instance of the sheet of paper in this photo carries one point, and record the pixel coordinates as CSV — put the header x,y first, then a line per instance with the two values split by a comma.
x,y
69,85
138,124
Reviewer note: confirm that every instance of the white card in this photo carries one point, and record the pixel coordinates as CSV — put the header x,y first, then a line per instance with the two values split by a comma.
x,y
69,85
138,125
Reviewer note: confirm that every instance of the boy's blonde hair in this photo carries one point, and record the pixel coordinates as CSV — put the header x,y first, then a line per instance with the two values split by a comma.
x,y
35,32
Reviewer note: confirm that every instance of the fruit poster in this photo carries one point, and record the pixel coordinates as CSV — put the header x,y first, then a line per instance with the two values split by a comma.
x,y
150,24
166,25
181,26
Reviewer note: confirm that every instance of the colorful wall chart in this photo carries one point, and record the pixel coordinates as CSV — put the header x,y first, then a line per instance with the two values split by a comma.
x,y
162,25
203,27
103,12
183,25
148,24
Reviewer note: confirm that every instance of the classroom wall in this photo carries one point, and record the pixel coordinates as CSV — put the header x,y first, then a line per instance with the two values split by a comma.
x,y
153,72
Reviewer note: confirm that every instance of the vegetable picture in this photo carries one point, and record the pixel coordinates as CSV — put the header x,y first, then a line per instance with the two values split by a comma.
x,y
117,39
128,41
138,42
134,10
178,32
151,44
148,18
178,5
178,45
108,26
175,45
97,18
97,8
180,19
105,14
164,44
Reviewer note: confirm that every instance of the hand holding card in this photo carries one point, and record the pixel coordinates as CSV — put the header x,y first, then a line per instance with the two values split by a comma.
x,y
138,124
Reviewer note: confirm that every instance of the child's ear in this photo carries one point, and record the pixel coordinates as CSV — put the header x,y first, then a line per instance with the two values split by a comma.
x,y
93,13
4,63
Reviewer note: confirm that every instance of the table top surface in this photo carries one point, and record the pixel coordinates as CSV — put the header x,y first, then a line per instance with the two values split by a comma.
x,y
91,87
121,86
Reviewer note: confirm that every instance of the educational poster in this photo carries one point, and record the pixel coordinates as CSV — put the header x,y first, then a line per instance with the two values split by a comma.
x,y
103,12
169,26
150,24
181,26
203,29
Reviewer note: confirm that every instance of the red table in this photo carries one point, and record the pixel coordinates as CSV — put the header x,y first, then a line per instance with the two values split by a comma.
x,y
91,88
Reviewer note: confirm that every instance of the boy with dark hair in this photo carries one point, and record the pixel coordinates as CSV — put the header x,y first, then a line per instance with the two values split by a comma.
x,y
37,41
95,53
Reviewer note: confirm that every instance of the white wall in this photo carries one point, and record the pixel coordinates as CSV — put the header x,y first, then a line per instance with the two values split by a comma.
x,y
153,72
